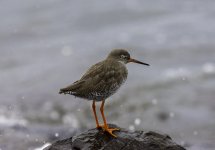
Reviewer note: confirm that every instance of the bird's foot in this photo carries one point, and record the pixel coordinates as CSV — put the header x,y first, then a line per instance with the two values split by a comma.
x,y
107,129
110,131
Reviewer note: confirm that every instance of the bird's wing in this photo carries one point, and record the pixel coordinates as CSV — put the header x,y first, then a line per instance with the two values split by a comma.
x,y
93,70
71,89
87,78
96,80
99,76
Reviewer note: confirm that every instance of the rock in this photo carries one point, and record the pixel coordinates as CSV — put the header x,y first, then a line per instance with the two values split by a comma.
x,y
97,139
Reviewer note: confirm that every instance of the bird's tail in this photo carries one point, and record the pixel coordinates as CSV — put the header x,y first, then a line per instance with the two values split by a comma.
x,y
61,91
72,89
66,91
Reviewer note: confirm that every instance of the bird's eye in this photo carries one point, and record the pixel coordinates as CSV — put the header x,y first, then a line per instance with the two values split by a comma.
x,y
123,56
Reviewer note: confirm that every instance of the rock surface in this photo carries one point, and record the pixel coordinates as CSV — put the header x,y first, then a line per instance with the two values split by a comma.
x,y
97,139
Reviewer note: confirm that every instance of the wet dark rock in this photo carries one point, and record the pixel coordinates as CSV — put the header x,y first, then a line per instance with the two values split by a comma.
x,y
95,139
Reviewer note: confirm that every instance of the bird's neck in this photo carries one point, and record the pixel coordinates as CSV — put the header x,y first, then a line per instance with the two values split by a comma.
x,y
116,60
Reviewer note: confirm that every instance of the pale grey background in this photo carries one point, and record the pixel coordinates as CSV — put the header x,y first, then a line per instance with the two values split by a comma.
x,y
47,44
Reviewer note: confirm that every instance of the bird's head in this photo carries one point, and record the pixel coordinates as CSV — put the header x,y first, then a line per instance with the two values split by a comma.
x,y
123,56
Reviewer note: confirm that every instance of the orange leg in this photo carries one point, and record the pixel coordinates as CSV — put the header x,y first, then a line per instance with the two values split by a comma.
x,y
105,127
94,112
95,116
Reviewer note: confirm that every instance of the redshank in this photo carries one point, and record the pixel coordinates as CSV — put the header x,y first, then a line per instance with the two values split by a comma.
x,y
101,81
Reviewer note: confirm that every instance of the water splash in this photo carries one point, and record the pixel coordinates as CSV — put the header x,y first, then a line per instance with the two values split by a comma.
x,y
9,117
42,147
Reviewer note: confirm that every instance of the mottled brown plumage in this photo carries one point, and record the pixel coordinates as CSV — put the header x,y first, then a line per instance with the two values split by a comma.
x,y
102,80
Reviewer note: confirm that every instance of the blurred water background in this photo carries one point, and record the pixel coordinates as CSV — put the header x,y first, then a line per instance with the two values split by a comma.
x,y
46,45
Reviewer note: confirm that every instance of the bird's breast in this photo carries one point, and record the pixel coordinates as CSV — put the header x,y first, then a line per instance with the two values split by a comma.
x,y
117,76
107,81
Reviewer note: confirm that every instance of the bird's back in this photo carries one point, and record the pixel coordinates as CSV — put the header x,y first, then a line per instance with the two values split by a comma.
x,y
100,81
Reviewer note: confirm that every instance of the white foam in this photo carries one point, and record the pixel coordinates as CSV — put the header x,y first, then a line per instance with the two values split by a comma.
x,y
42,147
208,68
10,117
177,73
11,121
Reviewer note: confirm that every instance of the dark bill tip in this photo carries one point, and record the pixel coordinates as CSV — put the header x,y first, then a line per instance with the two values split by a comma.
x,y
137,61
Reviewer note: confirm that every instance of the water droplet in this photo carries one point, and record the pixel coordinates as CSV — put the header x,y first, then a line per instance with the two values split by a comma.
x,y
131,127
137,121
56,135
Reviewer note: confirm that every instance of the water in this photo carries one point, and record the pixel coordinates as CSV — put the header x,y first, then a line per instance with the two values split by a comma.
x,y
46,45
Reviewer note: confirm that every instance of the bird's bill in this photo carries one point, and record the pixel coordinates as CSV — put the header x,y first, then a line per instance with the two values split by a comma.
x,y
137,61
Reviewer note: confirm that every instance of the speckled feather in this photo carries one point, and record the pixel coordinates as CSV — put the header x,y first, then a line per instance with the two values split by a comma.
x,y
100,81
